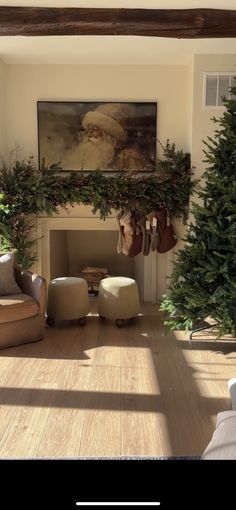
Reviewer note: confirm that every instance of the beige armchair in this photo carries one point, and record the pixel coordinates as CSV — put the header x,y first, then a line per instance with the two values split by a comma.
x,y
22,316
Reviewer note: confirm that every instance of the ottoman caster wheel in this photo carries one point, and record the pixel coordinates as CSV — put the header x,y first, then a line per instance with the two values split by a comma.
x,y
82,321
119,323
102,318
50,322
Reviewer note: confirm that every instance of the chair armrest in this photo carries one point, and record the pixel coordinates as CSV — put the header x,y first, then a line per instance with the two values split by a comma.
x,y
33,285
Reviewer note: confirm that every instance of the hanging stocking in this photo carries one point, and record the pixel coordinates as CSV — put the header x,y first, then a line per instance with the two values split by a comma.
x,y
130,237
136,245
152,218
126,231
146,235
121,233
166,232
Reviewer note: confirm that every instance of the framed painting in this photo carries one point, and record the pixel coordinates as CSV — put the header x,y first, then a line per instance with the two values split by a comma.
x,y
107,136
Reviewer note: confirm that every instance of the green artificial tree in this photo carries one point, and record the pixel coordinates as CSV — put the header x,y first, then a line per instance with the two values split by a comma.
x,y
203,282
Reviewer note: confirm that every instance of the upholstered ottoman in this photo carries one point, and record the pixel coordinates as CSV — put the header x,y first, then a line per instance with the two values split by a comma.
x,y
67,300
118,299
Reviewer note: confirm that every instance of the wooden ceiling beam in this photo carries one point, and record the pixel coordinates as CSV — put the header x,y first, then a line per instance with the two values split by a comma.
x,y
176,23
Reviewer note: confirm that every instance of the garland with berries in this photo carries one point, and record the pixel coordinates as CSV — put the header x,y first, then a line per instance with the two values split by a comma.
x,y
26,191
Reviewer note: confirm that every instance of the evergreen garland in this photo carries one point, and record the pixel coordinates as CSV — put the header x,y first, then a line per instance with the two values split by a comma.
x,y
203,283
26,191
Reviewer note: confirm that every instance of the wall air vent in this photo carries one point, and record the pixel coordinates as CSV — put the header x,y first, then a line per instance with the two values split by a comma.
x,y
217,85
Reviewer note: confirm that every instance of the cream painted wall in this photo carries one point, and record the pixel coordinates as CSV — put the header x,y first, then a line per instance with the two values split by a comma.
x,y
26,84
2,108
178,91
202,123
170,86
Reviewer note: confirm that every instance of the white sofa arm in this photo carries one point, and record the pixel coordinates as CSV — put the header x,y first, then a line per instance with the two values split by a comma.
x,y
232,392
223,443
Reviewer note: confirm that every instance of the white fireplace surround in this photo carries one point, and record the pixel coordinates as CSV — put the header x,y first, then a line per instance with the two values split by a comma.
x,y
151,270
147,266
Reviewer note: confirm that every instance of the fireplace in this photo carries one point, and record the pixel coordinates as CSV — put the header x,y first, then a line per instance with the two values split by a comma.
x,y
73,250
67,243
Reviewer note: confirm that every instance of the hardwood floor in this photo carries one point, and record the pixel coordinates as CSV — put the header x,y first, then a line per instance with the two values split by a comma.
x,y
104,391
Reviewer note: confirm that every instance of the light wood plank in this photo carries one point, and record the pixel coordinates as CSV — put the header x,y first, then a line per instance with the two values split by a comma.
x,y
103,391
28,419
30,409
189,411
135,344
16,374
108,344
102,428
140,419
63,431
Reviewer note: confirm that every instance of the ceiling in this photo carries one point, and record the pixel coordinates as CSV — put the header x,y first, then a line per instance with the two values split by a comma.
x,y
142,4
112,49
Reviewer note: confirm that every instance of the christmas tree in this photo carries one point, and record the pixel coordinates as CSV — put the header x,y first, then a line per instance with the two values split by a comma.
x,y
203,282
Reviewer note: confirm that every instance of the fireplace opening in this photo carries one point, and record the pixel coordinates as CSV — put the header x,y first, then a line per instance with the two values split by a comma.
x,y
73,250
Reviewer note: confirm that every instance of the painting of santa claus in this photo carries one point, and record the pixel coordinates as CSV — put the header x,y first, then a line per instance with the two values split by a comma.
x,y
85,136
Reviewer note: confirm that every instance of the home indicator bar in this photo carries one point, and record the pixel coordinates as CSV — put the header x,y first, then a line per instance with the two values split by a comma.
x,y
118,503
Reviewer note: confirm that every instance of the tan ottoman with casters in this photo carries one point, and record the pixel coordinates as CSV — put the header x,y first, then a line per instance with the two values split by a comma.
x,y
118,299
67,300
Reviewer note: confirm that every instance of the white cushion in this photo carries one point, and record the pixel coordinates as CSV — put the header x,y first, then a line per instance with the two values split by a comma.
x,y
8,284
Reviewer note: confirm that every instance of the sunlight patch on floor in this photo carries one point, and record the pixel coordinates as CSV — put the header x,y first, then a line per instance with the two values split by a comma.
x,y
208,378
181,335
